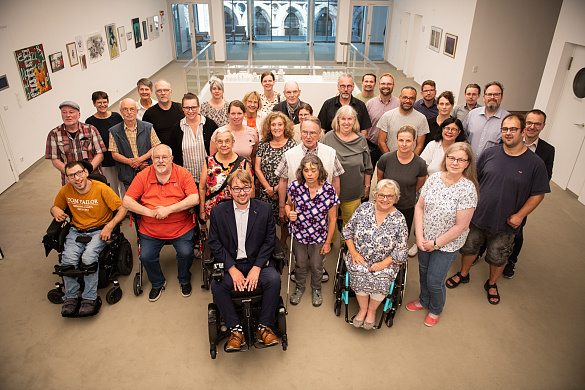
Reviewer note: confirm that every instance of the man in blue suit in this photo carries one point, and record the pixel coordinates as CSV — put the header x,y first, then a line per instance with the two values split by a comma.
x,y
242,235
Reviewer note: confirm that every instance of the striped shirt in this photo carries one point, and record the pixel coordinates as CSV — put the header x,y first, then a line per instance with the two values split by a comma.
x,y
85,144
194,154
131,135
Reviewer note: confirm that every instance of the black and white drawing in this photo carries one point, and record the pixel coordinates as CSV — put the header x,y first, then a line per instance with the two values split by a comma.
x,y
96,46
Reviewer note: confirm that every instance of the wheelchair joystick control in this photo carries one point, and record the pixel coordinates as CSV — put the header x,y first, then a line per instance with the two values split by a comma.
x,y
218,272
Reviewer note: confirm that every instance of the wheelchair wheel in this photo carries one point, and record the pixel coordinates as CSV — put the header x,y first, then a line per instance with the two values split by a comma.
x,y
124,258
55,296
137,285
213,353
114,295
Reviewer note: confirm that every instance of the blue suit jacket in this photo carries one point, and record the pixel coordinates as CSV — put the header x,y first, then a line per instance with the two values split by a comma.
x,y
260,235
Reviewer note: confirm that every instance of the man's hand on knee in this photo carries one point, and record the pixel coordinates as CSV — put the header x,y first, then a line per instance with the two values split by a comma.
x,y
238,278
252,278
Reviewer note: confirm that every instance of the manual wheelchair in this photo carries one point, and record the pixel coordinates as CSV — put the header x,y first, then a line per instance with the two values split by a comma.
x,y
248,305
342,292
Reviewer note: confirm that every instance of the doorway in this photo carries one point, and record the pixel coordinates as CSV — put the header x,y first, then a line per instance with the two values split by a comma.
x,y
568,129
370,28
8,175
192,29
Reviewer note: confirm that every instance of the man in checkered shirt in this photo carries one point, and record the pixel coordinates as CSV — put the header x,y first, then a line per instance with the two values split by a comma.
x,y
73,141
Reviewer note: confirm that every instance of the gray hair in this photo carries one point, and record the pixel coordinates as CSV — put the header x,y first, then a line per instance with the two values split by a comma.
x,y
122,101
163,80
390,184
217,82
345,75
222,130
344,111
170,150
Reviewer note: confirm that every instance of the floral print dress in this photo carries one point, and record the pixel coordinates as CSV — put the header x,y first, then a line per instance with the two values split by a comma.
x,y
217,174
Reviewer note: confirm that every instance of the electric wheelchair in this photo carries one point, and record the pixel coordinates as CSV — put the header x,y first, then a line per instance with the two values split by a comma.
x,y
342,292
115,259
247,303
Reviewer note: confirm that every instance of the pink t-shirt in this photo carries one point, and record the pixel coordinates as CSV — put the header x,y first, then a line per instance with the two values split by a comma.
x,y
245,142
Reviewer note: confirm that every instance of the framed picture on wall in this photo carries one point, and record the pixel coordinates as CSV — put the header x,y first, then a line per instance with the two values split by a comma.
x,y
151,32
136,31
129,36
450,45
435,43
83,62
56,60
33,70
122,38
72,52
79,42
112,39
145,29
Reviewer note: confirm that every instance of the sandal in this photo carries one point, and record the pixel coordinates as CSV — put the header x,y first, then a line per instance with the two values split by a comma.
x,y
462,279
487,287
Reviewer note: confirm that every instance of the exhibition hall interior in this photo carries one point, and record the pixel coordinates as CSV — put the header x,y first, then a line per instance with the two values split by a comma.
x,y
533,339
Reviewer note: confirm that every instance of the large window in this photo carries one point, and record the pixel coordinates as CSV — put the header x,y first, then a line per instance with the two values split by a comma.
x,y
283,20
325,20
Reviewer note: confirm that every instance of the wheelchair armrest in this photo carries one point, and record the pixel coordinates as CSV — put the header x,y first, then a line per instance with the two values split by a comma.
x,y
218,272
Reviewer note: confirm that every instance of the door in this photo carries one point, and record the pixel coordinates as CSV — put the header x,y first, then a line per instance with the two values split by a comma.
x,y
369,29
191,26
568,132
404,28
7,174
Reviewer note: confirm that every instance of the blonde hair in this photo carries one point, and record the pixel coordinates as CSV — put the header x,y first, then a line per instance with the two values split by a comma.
x,y
254,94
267,122
343,111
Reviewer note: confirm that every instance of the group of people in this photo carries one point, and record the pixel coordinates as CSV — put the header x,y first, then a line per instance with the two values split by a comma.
x,y
463,174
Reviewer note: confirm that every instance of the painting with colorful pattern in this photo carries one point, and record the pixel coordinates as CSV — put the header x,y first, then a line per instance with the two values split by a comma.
x,y
33,71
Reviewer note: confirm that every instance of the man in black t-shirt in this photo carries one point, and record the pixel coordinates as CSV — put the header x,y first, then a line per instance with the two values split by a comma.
x,y
165,114
512,183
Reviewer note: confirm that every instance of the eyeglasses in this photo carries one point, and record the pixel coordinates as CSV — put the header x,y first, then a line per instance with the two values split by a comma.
x,y
429,91
237,190
223,142
450,129
512,130
191,108
163,90
452,159
311,133
382,196
291,92
349,86
535,124
496,95
72,176
128,109
412,99
162,158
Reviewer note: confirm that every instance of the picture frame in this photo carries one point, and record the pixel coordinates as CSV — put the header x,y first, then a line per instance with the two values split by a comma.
x,y
435,42
145,29
129,36
56,60
83,62
72,53
33,70
112,40
136,31
79,42
156,27
96,46
151,33
122,38
450,45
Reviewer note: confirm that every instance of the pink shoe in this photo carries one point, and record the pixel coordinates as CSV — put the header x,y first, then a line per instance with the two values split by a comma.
x,y
414,306
430,321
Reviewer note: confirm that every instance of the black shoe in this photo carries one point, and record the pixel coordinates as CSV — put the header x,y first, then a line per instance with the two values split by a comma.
x,y
325,276
293,277
186,290
88,307
70,307
155,293
509,270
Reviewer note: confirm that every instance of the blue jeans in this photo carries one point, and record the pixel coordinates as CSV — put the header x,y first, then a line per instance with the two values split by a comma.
x,y
89,254
433,267
150,254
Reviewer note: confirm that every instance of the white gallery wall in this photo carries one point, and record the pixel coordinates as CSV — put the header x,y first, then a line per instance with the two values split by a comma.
x,y
54,24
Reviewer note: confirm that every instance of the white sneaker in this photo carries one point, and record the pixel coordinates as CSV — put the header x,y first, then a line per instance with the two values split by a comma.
x,y
413,251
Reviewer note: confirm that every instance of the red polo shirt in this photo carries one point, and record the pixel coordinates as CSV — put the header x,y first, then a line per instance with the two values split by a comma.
x,y
152,193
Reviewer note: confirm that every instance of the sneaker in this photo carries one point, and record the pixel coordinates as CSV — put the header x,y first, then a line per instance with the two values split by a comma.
x,y
325,276
69,307
317,298
509,270
155,293
186,290
87,307
414,306
293,277
413,251
296,297
430,321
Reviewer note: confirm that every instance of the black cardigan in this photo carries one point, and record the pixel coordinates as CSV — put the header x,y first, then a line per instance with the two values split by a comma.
x,y
177,139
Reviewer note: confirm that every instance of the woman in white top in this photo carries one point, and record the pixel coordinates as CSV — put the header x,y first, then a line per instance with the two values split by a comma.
x,y
442,215
451,132
246,139
269,98
253,117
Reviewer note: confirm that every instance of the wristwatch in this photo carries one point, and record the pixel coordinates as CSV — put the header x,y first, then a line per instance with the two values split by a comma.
x,y
436,246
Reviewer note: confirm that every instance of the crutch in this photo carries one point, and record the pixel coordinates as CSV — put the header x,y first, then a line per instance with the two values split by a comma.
x,y
290,256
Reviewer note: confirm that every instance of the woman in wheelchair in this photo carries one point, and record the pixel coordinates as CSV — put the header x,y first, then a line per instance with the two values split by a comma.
x,y
377,241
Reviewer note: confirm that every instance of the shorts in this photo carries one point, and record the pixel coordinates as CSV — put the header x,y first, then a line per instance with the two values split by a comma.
x,y
499,246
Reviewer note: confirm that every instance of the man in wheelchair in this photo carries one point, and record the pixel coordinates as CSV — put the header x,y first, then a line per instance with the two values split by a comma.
x,y
91,204
242,236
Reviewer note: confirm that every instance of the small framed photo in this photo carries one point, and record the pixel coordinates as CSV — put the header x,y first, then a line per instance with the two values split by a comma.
x,y
83,62
450,45
72,52
56,60
129,36
435,43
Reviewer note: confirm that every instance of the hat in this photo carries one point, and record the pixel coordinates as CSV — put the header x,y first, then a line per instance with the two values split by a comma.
x,y
69,104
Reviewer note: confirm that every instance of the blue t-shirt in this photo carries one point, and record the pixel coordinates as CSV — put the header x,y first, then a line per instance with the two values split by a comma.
x,y
505,184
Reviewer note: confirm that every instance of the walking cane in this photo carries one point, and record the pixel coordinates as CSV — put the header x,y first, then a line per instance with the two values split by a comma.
x,y
292,231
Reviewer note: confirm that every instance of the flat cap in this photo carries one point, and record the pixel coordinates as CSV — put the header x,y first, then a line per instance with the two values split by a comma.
x,y
69,103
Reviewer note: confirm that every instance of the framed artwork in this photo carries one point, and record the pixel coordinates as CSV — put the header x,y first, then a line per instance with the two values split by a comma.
x,y
151,32
145,29
129,35
4,82
79,43
56,60
72,53
122,38
33,71
435,43
83,62
450,45
112,39
156,27
96,47
136,31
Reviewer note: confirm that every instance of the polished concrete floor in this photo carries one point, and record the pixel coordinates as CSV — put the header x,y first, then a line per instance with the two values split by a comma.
x,y
534,339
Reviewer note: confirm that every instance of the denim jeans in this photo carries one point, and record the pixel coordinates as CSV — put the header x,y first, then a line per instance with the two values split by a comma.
x,y
433,267
88,254
150,254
